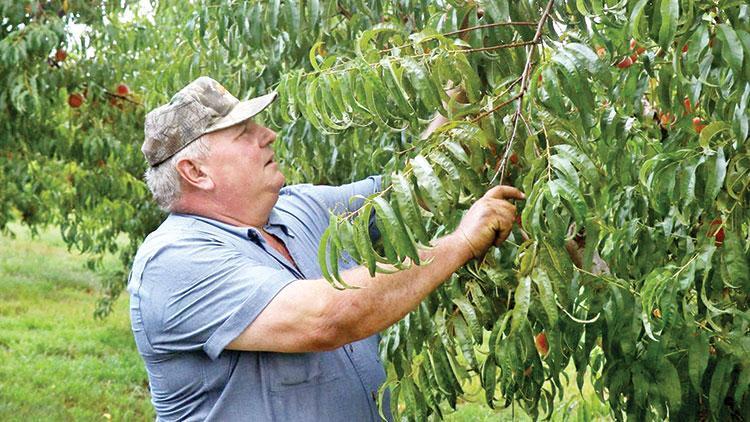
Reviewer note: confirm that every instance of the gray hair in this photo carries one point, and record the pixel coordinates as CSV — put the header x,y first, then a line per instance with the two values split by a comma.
x,y
164,181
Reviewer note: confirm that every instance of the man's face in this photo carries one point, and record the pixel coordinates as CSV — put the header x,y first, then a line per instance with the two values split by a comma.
x,y
241,163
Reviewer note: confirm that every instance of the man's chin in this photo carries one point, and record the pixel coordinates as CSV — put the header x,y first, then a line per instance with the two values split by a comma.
x,y
280,180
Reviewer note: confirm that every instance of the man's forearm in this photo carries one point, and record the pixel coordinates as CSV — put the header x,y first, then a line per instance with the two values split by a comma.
x,y
384,299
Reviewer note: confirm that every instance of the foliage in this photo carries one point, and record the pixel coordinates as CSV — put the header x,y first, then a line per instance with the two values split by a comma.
x,y
627,123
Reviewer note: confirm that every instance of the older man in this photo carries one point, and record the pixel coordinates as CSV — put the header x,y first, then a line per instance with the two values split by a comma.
x,y
228,307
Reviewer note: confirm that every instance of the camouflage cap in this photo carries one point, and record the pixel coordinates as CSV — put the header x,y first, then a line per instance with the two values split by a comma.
x,y
203,106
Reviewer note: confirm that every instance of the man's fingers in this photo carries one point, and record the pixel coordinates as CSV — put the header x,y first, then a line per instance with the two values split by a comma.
x,y
505,192
506,220
501,206
504,205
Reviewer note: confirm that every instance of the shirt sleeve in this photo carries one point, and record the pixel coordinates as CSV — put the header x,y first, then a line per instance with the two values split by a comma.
x,y
347,198
203,296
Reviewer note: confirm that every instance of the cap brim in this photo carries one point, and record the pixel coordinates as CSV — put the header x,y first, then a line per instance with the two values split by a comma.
x,y
242,111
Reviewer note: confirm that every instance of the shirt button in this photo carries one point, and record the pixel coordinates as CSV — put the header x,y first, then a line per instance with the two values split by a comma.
x,y
351,348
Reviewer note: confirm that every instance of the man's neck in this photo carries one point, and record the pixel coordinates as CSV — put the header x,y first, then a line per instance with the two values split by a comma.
x,y
255,215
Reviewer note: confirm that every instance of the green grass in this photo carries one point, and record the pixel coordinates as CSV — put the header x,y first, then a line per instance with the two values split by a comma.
x,y
58,363
575,406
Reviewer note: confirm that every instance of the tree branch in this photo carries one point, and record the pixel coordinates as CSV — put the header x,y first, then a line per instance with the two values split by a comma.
x,y
489,25
521,94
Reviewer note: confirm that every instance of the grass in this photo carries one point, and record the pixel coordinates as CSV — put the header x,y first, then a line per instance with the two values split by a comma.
x,y
58,363
575,407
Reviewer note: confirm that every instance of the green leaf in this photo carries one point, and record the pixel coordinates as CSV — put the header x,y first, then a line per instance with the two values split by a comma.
x,y
470,315
314,13
363,47
443,373
697,359
430,185
333,255
687,181
497,9
273,14
522,299
743,382
322,257
496,336
581,161
394,231
469,76
429,388
374,98
669,384
571,196
346,236
720,381
392,77
744,38
408,208
333,259
546,295
312,55
423,85
468,175
735,262
362,238
717,170
453,183
489,380
565,169
635,19
395,395
731,48
463,337
670,15
710,131
481,303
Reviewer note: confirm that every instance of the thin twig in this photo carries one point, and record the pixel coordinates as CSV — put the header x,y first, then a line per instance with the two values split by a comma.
x,y
460,31
524,87
121,97
525,123
505,91
499,46
496,108
489,25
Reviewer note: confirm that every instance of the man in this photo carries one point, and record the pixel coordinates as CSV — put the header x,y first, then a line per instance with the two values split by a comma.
x,y
229,309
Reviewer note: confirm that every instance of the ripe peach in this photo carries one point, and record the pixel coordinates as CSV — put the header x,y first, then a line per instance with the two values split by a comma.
x,y
75,100
61,55
625,63
540,340
122,89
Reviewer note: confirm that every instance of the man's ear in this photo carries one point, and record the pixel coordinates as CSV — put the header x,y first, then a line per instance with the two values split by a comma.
x,y
192,173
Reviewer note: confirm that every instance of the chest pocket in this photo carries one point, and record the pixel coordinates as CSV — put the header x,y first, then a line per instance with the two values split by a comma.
x,y
285,371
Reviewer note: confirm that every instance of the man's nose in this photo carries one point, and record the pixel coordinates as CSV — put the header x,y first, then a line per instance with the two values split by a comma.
x,y
269,138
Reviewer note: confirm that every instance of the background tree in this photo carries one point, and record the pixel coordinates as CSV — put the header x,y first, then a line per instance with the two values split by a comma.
x,y
625,123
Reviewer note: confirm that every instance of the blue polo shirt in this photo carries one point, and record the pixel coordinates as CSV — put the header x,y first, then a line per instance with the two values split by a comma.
x,y
197,283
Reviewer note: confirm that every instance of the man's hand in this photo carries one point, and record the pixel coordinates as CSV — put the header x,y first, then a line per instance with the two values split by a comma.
x,y
490,219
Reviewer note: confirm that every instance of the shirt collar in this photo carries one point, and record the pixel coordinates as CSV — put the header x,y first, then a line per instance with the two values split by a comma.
x,y
277,218
274,219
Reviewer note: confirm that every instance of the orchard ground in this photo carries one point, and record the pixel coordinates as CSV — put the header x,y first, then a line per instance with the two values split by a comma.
x,y
58,363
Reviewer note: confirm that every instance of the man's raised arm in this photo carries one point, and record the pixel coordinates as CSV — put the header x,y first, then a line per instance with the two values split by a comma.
x,y
309,315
